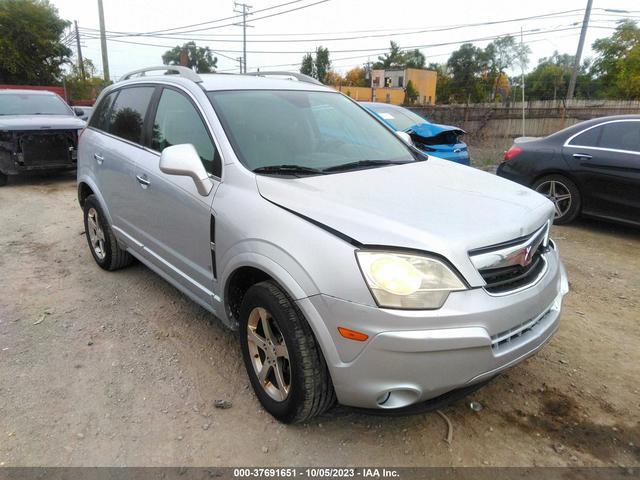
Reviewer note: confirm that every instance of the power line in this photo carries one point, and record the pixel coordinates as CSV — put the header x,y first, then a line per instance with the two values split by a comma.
x,y
158,33
227,18
379,49
204,37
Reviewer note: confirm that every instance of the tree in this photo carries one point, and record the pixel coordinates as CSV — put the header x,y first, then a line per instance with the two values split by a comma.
x,y
413,59
618,61
397,59
410,93
466,65
317,67
356,77
334,78
499,56
307,67
85,87
393,59
323,64
199,58
443,82
30,48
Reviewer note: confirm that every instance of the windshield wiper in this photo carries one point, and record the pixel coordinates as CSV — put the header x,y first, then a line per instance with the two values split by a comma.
x,y
361,164
289,169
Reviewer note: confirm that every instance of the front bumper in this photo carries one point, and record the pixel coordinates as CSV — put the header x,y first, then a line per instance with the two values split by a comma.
x,y
470,339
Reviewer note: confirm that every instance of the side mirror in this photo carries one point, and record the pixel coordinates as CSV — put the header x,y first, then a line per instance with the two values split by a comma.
x,y
184,160
406,138
78,111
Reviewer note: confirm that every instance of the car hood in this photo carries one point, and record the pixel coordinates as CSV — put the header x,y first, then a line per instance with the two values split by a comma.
x,y
428,130
37,122
434,205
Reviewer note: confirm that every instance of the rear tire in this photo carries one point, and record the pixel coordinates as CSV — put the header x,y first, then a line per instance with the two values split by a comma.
x,y
102,243
3,179
564,194
295,384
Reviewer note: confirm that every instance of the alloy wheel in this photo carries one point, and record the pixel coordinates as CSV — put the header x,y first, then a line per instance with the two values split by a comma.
x,y
269,354
96,234
559,194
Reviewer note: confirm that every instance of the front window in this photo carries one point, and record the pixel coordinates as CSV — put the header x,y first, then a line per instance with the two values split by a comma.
x,y
314,130
32,104
400,119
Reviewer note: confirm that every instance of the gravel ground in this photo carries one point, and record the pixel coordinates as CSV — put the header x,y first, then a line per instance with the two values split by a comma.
x,y
119,368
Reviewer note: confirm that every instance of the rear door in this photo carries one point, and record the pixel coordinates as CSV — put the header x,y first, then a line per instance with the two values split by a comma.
x,y
115,156
173,221
606,158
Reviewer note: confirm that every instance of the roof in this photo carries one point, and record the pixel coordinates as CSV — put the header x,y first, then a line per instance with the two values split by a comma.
x,y
22,92
252,82
222,81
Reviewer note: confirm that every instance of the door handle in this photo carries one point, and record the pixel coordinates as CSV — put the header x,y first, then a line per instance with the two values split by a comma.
x,y
586,156
144,183
99,158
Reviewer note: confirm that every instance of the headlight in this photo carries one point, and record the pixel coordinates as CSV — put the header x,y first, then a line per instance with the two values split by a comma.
x,y
399,280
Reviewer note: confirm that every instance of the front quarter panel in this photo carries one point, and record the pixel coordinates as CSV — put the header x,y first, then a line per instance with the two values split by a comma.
x,y
304,258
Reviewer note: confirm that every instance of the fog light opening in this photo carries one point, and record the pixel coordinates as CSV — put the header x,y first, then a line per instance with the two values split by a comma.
x,y
397,398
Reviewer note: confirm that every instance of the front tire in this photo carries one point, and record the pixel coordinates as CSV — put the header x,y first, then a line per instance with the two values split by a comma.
x,y
564,194
3,179
102,243
283,359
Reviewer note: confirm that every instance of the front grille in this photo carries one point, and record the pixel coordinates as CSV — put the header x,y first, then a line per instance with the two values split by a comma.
x,y
500,280
47,148
513,265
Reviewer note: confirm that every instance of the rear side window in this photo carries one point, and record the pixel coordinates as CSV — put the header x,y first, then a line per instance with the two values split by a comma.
x,y
127,114
588,139
621,136
100,118
177,122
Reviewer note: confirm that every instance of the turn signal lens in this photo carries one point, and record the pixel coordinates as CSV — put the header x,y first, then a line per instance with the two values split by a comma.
x,y
352,334
511,153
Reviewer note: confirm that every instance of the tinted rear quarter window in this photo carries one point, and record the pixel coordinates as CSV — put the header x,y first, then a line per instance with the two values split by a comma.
x,y
127,114
100,118
588,139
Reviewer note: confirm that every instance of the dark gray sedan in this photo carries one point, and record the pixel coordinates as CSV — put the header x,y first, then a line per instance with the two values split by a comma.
x,y
38,131
591,168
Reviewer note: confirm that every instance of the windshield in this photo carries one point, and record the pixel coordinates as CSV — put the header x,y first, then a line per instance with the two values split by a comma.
x,y
32,104
401,119
314,130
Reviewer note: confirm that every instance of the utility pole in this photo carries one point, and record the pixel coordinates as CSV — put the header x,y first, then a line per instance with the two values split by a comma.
x,y
244,12
522,79
103,43
80,62
576,62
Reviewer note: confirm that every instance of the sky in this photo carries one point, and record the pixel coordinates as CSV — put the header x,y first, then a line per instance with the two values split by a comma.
x,y
363,27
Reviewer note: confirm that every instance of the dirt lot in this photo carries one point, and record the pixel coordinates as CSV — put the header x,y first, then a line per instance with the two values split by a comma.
x,y
102,368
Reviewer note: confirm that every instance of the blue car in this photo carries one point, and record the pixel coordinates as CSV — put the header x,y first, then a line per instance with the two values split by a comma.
x,y
441,141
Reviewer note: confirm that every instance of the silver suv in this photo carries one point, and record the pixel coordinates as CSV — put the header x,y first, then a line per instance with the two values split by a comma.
x,y
353,266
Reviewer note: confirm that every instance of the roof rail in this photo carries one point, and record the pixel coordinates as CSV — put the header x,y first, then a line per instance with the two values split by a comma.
x,y
301,77
182,71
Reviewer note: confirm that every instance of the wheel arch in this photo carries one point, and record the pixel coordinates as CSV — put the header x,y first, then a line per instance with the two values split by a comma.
x,y
247,269
86,187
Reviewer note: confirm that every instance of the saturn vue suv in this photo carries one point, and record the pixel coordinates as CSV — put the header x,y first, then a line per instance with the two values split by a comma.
x,y
356,269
